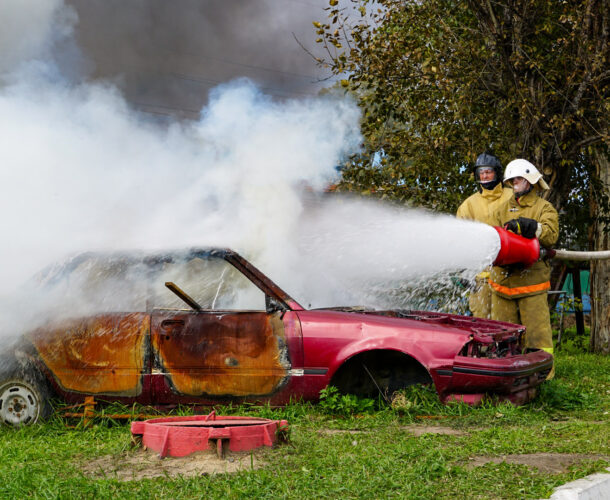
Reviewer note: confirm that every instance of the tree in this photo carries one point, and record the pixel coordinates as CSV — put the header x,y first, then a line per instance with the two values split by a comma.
x,y
440,81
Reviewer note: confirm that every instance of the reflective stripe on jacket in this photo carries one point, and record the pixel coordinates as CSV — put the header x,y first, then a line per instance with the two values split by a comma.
x,y
516,281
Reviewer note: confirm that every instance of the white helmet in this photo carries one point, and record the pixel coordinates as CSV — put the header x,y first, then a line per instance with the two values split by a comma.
x,y
523,168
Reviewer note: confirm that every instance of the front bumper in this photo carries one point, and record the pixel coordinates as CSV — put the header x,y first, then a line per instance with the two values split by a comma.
x,y
513,378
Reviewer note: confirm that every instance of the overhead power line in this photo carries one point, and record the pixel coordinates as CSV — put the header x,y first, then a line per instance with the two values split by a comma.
x,y
244,65
211,82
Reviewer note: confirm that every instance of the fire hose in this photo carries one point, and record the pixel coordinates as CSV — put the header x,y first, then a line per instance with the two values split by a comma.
x,y
578,255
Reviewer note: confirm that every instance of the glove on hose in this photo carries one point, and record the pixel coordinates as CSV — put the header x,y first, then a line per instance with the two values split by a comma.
x,y
523,226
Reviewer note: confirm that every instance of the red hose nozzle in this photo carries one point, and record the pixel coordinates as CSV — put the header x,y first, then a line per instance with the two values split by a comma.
x,y
515,249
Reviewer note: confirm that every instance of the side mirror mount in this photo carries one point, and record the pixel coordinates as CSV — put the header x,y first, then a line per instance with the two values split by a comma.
x,y
273,305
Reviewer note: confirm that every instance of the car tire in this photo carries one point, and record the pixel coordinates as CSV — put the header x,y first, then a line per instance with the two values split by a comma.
x,y
23,400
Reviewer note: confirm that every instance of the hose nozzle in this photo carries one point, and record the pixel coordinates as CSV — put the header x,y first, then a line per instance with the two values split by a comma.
x,y
515,249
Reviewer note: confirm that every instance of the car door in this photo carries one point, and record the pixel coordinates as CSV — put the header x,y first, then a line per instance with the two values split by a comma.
x,y
214,354
102,355
226,345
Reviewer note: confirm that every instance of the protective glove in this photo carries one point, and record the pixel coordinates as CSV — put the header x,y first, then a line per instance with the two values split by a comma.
x,y
523,226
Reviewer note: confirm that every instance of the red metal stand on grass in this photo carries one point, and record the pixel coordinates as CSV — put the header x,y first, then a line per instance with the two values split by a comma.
x,y
181,436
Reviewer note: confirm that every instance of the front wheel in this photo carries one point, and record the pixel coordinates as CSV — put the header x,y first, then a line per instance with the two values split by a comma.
x,y
22,402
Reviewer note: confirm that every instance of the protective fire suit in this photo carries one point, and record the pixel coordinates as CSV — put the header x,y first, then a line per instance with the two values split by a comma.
x,y
481,207
520,294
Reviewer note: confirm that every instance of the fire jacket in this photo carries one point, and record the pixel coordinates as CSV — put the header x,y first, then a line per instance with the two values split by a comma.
x,y
516,281
481,206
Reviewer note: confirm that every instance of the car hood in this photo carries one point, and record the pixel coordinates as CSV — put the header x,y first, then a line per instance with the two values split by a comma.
x,y
475,327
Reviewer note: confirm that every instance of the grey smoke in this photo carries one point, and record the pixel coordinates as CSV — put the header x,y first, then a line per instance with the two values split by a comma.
x,y
166,56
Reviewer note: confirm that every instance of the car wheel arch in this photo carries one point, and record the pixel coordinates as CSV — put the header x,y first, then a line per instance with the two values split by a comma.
x,y
367,372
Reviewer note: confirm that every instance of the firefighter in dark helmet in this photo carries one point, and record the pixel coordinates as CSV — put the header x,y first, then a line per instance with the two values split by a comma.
x,y
520,293
481,207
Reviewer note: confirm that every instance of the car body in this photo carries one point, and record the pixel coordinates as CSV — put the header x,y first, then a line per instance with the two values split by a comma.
x,y
206,327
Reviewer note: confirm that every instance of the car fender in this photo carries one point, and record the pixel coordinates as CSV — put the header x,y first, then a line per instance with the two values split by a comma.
x,y
370,344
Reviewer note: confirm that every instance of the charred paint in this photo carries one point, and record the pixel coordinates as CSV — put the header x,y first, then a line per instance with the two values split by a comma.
x,y
221,353
98,355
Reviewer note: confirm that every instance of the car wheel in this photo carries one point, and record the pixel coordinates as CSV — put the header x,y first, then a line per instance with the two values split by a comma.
x,y
22,402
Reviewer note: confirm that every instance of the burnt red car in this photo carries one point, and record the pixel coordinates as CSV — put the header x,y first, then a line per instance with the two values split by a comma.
x,y
204,326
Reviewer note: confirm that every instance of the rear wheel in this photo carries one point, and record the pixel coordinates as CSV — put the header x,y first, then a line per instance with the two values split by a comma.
x,y
23,402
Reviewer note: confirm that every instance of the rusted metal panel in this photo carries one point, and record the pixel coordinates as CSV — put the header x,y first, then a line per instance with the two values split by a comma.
x,y
221,353
98,355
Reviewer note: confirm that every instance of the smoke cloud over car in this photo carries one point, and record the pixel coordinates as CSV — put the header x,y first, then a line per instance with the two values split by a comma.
x,y
83,170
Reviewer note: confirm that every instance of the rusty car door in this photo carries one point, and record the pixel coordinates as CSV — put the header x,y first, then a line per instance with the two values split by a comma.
x,y
206,355
102,355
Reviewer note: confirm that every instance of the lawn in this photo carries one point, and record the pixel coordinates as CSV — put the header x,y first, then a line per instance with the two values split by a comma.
x,y
347,448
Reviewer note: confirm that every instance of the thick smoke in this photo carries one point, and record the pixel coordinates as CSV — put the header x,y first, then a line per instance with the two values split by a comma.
x,y
81,170
166,56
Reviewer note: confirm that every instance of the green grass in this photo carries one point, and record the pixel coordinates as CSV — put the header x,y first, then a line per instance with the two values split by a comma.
x,y
382,460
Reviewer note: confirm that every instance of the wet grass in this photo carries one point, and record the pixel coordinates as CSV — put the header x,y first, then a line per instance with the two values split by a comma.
x,y
379,458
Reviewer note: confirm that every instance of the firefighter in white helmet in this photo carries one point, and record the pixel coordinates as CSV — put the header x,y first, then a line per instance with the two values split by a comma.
x,y
481,207
519,294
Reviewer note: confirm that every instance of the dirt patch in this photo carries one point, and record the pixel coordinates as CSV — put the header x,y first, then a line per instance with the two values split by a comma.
x,y
419,430
143,464
550,463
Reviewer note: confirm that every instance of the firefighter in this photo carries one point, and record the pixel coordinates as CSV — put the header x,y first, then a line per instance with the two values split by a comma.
x,y
519,294
481,207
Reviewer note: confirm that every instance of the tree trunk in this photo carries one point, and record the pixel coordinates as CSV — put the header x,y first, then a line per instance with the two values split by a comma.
x,y
600,270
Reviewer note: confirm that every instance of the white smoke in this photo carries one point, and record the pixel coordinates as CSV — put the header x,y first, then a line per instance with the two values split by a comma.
x,y
29,30
81,172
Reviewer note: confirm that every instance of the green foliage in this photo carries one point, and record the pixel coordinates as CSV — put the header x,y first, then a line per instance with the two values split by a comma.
x,y
417,399
333,402
572,343
569,304
582,383
295,410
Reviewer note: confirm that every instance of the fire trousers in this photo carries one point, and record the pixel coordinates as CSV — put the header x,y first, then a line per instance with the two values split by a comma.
x,y
479,300
531,312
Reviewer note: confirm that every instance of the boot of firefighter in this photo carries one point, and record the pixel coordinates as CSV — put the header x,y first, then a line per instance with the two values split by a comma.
x,y
535,316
